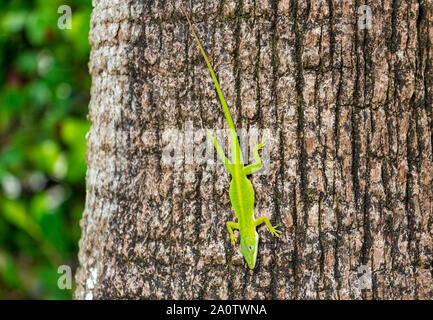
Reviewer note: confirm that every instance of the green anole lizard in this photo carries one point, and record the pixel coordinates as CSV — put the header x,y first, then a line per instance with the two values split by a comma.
x,y
241,190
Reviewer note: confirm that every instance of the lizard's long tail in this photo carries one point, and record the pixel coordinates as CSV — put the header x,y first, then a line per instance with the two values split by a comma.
x,y
236,156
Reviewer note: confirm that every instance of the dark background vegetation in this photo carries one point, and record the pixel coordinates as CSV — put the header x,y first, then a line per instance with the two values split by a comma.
x,y
44,93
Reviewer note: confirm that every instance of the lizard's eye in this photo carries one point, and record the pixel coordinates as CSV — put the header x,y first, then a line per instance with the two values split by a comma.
x,y
251,248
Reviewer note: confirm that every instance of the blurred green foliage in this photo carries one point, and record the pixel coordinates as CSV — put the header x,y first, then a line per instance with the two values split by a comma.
x,y
44,93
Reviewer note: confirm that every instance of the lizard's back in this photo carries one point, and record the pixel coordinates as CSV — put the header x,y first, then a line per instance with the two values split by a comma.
x,y
242,198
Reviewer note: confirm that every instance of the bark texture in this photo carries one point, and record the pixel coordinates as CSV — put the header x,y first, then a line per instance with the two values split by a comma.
x,y
350,178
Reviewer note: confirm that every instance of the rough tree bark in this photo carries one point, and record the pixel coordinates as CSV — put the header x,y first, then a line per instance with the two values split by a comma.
x,y
350,178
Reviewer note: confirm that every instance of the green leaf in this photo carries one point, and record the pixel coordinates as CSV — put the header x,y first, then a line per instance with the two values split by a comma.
x,y
52,229
48,278
74,131
45,155
13,99
74,135
40,94
14,21
15,213
9,270
80,26
27,62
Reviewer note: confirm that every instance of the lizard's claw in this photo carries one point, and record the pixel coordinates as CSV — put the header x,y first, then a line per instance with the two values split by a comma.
x,y
274,231
260,145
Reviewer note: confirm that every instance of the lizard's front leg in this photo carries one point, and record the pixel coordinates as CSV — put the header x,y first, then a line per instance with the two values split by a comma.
x,y
272,229
220,151
230,226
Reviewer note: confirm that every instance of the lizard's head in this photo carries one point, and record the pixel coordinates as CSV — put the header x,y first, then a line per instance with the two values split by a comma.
x,y
249,249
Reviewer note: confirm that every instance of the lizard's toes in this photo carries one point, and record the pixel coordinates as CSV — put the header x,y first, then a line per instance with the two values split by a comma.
x,y
275,232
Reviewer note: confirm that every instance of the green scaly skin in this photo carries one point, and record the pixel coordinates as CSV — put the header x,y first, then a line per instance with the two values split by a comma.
x,y
241,190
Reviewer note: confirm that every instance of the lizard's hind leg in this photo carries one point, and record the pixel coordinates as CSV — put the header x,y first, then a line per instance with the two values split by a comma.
x,y
230,226
258,165
220,151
